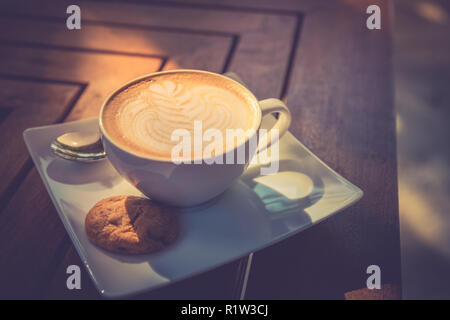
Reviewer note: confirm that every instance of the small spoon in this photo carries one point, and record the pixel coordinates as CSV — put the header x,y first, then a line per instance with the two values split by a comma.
x,y
79,146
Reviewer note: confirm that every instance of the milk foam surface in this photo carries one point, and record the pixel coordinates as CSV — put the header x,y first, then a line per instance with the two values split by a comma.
x,y
143,117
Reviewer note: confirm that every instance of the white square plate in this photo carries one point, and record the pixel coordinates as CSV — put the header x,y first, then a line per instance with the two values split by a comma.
x,y
254,213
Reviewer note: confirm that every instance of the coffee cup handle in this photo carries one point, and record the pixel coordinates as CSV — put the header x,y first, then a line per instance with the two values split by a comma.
x,y
270,106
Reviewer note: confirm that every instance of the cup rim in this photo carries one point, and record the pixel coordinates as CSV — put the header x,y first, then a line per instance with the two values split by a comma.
x,y
165,159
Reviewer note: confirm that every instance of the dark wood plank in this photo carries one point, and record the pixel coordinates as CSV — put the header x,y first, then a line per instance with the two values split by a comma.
x,y
33,240
341,99
21,105
284,7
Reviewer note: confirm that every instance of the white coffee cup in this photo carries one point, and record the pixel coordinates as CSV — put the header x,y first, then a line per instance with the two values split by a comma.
x,y
186,184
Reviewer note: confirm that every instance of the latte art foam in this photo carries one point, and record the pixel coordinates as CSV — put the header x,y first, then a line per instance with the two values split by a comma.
x,y
144,116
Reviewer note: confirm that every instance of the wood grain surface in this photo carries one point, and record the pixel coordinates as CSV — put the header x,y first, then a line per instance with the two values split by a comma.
x,y
334,73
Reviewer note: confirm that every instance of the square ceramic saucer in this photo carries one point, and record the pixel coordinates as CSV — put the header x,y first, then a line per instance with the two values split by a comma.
x,y
255,212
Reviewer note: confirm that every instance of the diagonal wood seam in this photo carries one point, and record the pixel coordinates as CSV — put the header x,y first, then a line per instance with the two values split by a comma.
x,y
26,168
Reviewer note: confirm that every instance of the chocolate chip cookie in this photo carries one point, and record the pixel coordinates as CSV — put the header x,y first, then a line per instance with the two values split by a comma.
x,y
131,225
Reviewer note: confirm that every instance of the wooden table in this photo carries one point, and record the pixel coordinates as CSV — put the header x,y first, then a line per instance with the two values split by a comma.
x,y
335,74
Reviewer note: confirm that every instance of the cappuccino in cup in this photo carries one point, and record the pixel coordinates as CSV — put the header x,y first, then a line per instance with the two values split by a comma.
x,y
143,117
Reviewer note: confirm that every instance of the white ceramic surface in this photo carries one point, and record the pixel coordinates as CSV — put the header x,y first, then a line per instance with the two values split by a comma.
x,y
255,212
